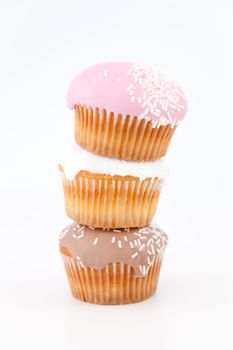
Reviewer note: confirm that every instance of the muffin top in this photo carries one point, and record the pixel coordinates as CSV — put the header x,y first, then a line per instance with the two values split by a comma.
x,y
96,248
129,89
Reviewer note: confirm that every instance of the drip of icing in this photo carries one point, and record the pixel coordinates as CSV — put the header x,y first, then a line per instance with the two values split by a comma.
x,y
75,159
129,89
96,248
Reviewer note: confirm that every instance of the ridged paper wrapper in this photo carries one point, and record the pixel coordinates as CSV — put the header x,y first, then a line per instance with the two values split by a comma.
x,y
110,201
123,137
115,284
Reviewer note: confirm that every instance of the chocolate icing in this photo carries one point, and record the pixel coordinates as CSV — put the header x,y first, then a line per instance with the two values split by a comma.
x,y
95,248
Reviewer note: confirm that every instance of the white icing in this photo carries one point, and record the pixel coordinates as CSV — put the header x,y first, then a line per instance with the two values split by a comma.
x,y
75,159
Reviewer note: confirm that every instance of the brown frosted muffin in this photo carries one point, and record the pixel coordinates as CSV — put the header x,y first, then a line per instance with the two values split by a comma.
x,y
112,267
125,111
105,192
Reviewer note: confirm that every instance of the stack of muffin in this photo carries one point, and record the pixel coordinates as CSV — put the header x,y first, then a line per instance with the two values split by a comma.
x,y
125,116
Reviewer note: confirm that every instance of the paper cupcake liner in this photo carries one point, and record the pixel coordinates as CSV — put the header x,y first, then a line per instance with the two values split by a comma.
x,y
110,201
122,137
113,285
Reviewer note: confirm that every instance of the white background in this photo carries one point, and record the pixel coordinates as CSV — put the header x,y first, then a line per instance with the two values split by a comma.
x,y
43,45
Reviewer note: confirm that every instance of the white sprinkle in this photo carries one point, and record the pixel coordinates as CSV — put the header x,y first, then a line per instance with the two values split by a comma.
x,y
165,105
149,252
126,229
125,238
139,242
149,242
144,269
74,235
63,234
173,106
80,236
132,98
113,239
74,228
142,247
135,243
153,249
148,260
105,72
131,245
95,240
92,228
134,255
119,244
140,268
143,237
137,234
143,230
169,116
130,87
116,230
80,262
78,257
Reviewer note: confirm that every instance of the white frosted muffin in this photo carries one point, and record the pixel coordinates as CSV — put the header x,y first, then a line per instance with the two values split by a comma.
x,y
112,266
112,193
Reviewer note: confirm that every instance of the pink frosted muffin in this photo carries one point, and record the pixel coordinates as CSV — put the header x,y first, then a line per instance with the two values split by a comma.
x,y
112,266
125,111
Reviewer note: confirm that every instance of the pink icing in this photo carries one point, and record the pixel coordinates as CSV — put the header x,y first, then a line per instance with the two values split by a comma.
x,y
129,89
